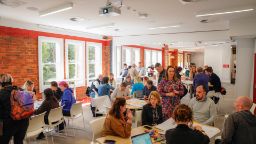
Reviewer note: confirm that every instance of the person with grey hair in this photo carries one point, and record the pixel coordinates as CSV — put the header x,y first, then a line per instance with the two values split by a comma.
x,y
8,127
239,127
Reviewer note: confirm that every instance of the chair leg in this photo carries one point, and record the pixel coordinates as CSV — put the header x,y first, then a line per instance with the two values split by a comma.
x,y
83,119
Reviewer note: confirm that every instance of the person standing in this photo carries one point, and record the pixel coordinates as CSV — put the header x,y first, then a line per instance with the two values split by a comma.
x,y
171,89
133,72
214,80
124,72
201,79
141,70
67,99
161,72
8,127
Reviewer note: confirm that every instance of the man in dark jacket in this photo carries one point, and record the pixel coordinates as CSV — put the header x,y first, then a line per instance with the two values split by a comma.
x,y
161,72
214,80
56,90
240,127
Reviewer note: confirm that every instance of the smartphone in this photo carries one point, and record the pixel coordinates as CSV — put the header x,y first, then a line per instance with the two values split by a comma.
x,y
147,127
109,141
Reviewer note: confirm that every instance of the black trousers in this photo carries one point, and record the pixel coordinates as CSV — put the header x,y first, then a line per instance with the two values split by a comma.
x,y
15,129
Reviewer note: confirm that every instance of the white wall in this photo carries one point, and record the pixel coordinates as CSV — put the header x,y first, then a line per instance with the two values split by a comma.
x,y
245,58
216,56
197,58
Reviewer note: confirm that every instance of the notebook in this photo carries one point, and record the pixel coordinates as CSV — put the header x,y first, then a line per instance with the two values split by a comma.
x,y
141,139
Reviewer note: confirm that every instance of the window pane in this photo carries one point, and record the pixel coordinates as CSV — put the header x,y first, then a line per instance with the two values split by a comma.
x,y
154,57
91,70
48,52
91,53
49,72
72,71
159,57
71,53
147,58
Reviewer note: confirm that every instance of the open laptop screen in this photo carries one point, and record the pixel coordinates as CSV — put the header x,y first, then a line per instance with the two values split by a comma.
x,y
141,139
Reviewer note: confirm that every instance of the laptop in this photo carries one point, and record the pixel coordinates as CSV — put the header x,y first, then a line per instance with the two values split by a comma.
x,y
141,139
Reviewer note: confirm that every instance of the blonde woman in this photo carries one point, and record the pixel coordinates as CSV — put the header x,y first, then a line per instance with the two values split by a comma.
x,y
152,112
137,86
29,87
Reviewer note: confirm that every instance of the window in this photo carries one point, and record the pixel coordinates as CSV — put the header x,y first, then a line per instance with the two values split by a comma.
x,y
94,60
152,57
75,61
51,67
130,56
180,59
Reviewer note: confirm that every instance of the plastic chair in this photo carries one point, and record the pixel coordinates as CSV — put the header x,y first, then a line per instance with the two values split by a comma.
x,y
55,118
252,108
36,126
101,104
76,111
97,127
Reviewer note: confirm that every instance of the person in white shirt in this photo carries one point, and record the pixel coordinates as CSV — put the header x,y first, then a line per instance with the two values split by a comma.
x,y
141,70
204,108
133,72
121,91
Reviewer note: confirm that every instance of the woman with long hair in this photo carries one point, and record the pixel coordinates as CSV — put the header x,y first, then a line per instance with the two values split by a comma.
x,y
119,120
171,89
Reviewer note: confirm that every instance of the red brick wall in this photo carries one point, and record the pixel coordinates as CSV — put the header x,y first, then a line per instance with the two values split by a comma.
x,y
19,54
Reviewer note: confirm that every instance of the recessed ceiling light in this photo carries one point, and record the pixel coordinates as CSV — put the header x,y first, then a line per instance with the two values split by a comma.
x,y
56,9
109,25
164,27
222,13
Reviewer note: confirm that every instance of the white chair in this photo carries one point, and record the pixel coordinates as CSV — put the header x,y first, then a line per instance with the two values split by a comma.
x,y
76,111
138,117
101,104
55,118
97,127
36,126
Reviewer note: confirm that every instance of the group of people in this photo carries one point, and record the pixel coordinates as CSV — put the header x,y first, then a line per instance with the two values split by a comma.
x,y
164,103
57,93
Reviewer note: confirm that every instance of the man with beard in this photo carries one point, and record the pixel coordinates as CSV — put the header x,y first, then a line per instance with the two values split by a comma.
x,y
203,107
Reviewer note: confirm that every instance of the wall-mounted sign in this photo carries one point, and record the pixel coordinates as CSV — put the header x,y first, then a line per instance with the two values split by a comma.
x,y
225,65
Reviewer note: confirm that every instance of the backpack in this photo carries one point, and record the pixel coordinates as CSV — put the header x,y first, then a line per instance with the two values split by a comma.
x,y
22,104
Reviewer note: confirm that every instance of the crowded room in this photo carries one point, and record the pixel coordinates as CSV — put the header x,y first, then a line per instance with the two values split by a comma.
x,y
122,72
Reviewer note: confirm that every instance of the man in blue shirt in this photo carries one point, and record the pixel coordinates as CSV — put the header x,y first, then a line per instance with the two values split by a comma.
x,y
201,79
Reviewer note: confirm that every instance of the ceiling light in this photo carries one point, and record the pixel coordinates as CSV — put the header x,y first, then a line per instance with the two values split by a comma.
x,y
164,27
57,9
222,13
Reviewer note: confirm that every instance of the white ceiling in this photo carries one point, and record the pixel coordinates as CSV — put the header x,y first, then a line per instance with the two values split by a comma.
x,y
161,13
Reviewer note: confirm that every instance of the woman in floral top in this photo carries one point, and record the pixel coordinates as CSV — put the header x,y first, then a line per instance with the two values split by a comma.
x,y
170,89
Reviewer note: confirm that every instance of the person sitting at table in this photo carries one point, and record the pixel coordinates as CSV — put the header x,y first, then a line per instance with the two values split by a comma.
x,y
56,90
128,81
145,79
138,85
183,134
118,122
29,87
203,107
152,112
105,88
148,88
240,126
121,91
67,99
50,102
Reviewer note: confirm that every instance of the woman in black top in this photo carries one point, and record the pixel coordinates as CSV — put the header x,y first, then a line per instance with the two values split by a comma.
x,y
152,112
183,134
49,103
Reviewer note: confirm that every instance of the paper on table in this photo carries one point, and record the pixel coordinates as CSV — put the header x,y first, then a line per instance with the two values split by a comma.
x,y
170,124
209,130
166,125
136,102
